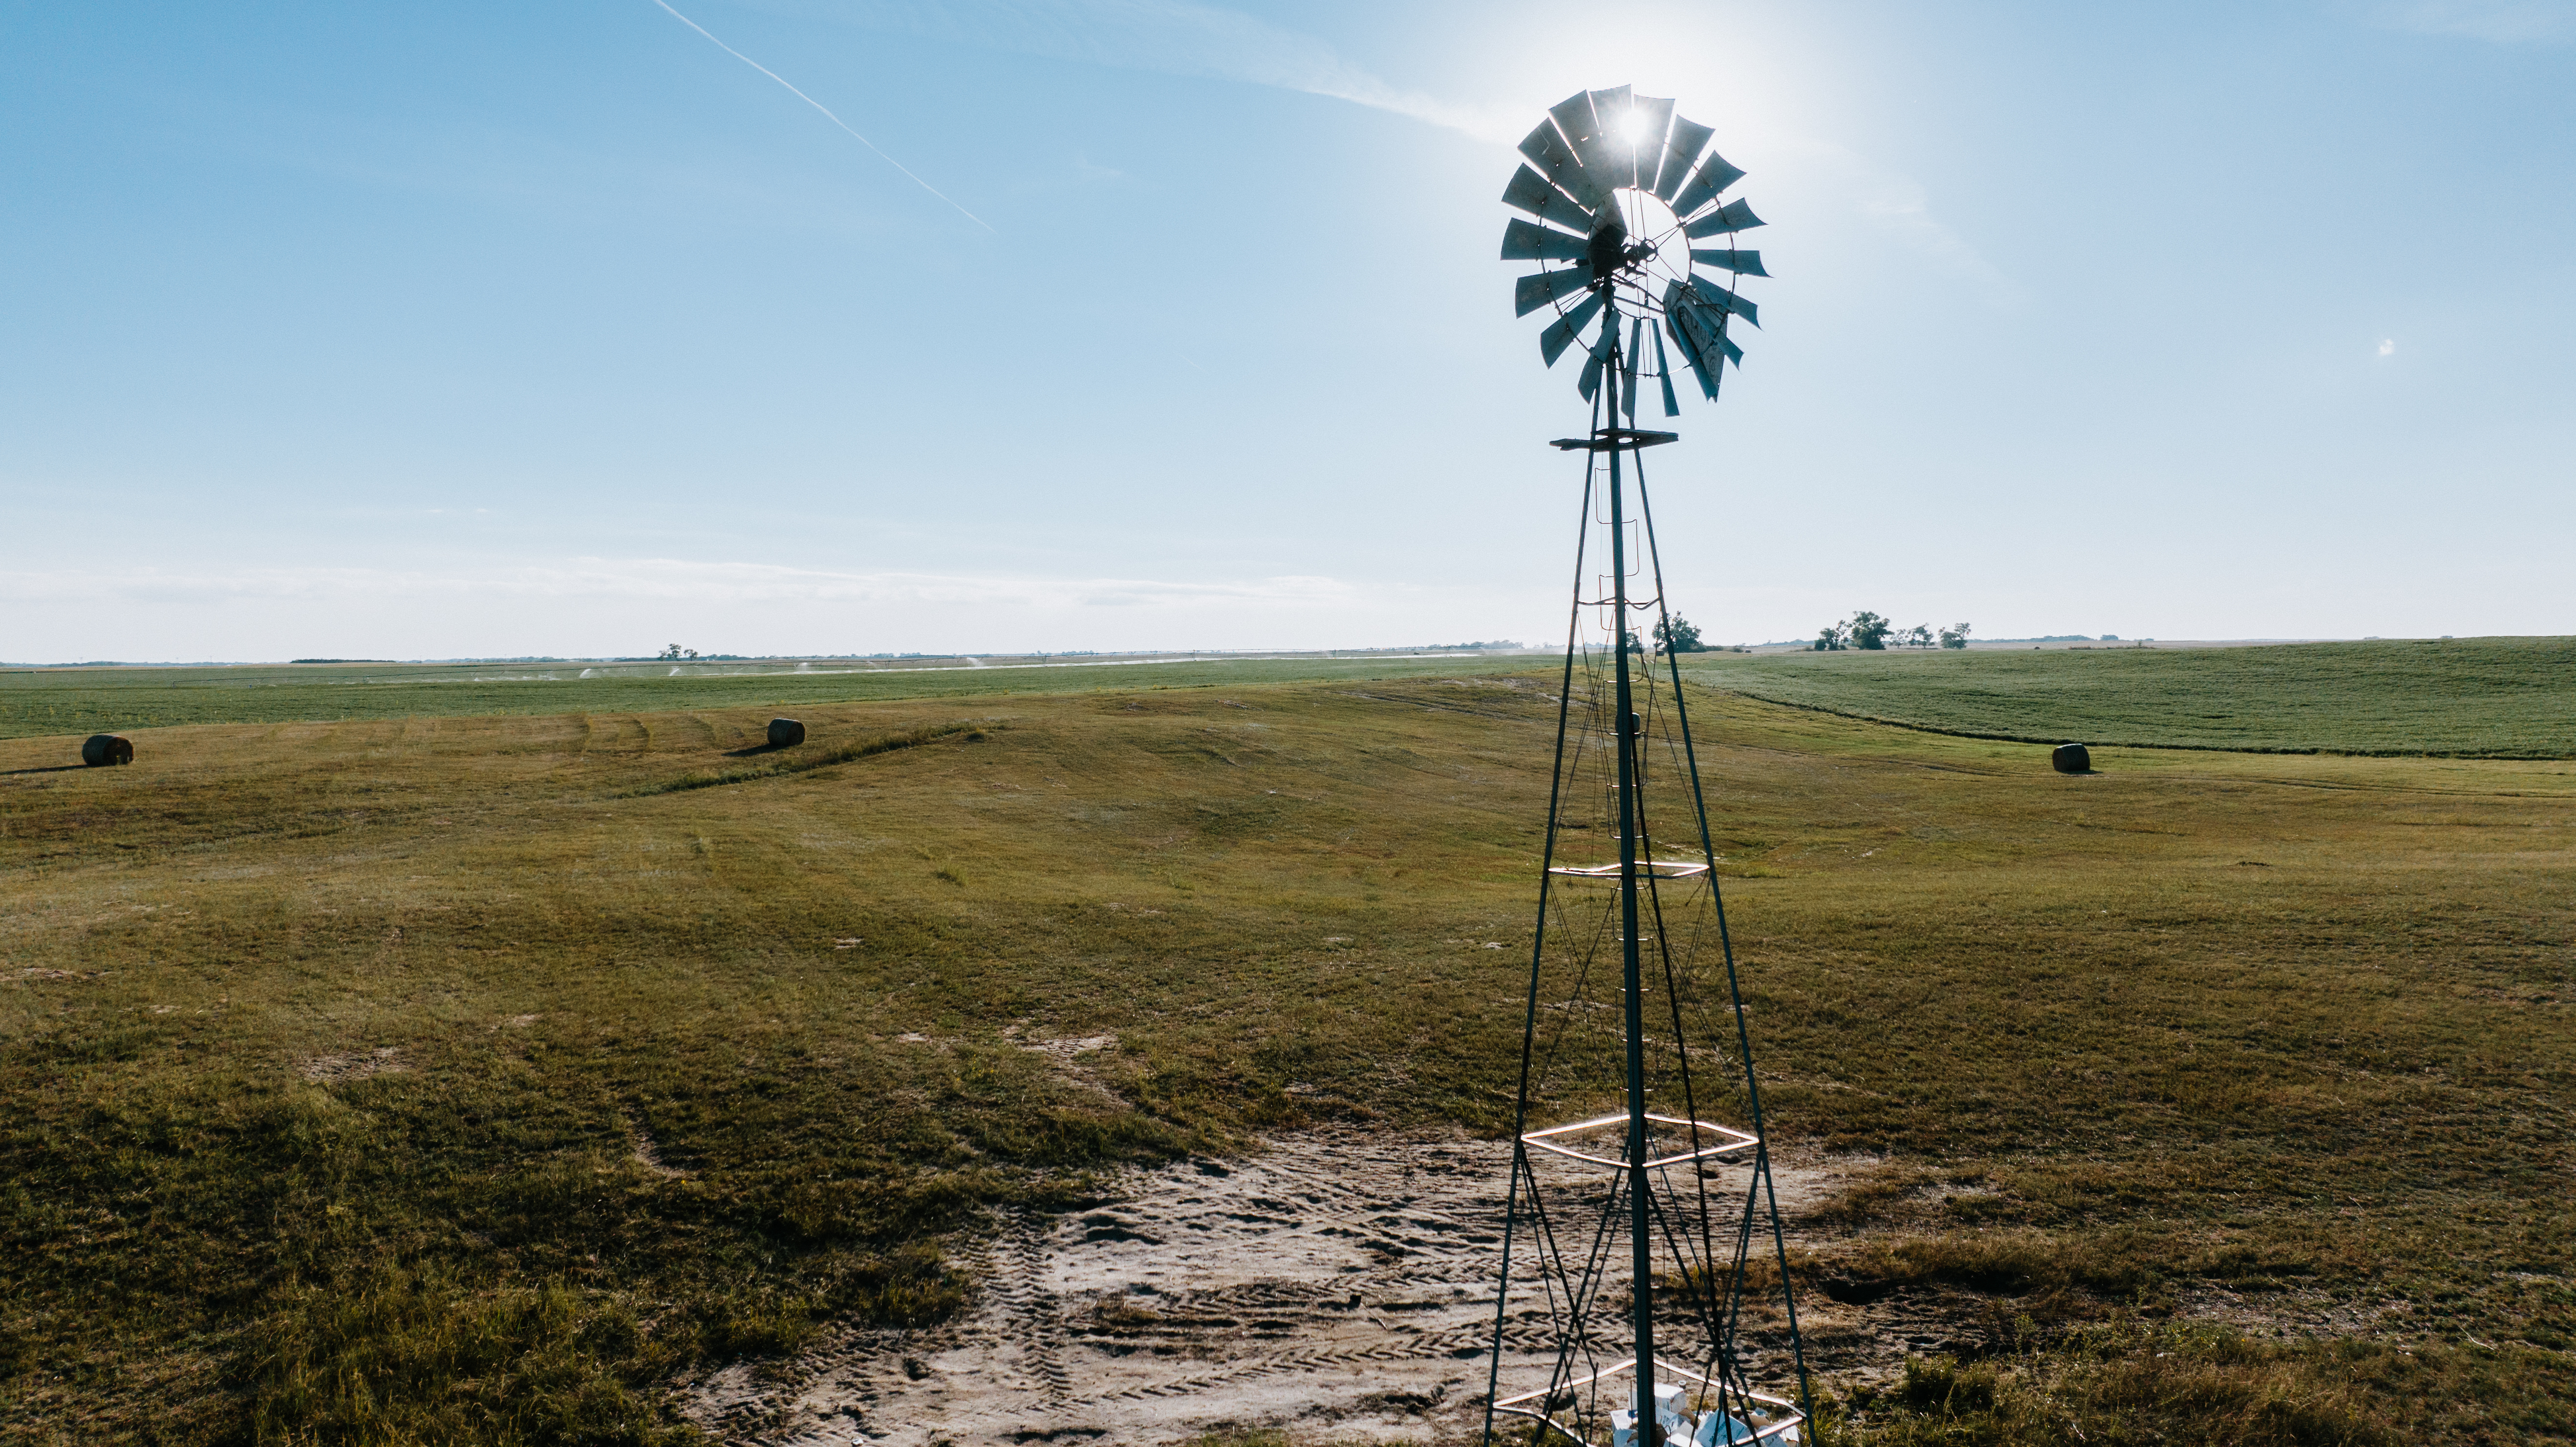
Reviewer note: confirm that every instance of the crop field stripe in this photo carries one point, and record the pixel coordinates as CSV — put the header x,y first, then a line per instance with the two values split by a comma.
x,y
2101,741
2510,698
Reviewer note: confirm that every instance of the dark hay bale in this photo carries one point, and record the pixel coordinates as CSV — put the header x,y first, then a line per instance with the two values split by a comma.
x,y
100,749
785,731
2071,759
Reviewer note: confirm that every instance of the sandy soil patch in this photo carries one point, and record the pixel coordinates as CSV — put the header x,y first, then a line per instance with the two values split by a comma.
x,y
1338,1284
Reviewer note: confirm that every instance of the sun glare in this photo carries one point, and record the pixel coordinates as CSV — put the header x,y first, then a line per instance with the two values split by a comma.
x,y
1633,125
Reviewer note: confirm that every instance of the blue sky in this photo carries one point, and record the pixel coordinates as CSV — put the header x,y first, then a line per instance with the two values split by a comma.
x,y
474,329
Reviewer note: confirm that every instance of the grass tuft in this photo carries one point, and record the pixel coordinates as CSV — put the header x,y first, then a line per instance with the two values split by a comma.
x,y
2126,1386
401,1356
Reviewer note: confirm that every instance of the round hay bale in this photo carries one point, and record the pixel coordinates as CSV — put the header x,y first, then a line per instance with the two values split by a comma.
x,y
785,731
100,749
2071,759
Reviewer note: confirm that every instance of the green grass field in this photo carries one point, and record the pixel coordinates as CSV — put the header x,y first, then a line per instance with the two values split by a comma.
x,y
2506,698
39,702
2474,698
463,1079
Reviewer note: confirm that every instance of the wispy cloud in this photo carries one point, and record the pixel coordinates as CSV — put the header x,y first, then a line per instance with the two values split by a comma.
x,y
1173,37
593,605
656,578
2502,22
826,110
1899,207
1180,37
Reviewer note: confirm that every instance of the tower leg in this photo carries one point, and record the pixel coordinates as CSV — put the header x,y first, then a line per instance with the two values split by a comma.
x,y
1640,1202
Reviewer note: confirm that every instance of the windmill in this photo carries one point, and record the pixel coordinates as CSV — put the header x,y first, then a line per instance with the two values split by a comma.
x,y
1644,1283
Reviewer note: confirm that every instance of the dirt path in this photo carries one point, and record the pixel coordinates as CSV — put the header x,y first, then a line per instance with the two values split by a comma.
x,y
1334,1281
1338,1285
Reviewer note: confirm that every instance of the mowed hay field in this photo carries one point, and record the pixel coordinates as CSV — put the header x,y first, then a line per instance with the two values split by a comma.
x,y
2507,698
474,1079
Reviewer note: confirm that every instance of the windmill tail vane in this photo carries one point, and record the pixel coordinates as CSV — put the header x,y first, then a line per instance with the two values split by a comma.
x,y
1643,1291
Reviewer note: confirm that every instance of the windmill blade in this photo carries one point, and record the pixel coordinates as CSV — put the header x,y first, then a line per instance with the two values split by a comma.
x,y
1541,287
1677,294
1699,364
1573,115
1543,143
1542,140
1588,128
1733,216
1720,299
1708,326
1701,331
1651,118
1525,242
1531,193
1664,374
1606,149
1681,149
1562,163
1714,175
1563,167
1602,347
1561,333
1742,263
1557,162
1705,329
1628,370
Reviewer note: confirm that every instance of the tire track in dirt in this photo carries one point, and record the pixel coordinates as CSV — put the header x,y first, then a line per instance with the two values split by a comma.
x,y
1337,1280
1339,1284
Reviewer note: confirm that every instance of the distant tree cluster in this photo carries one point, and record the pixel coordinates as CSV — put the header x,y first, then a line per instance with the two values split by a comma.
x,y
1868,631
1677,634
675,653
1674,633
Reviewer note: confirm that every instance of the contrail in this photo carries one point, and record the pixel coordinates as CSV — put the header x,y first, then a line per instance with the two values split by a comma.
x,y
827,114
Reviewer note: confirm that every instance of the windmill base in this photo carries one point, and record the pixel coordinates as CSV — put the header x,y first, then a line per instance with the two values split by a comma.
x,y
1686,1407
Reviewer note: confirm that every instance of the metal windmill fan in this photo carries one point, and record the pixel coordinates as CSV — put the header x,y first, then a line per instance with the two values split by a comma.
x,y
1625,192
1646,1226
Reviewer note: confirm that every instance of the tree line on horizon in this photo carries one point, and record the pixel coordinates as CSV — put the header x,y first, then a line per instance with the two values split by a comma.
x,y
1863,630
1868,631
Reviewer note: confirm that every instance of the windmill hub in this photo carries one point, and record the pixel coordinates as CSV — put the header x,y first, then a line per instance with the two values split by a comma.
x,y
1608,252
1626,252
